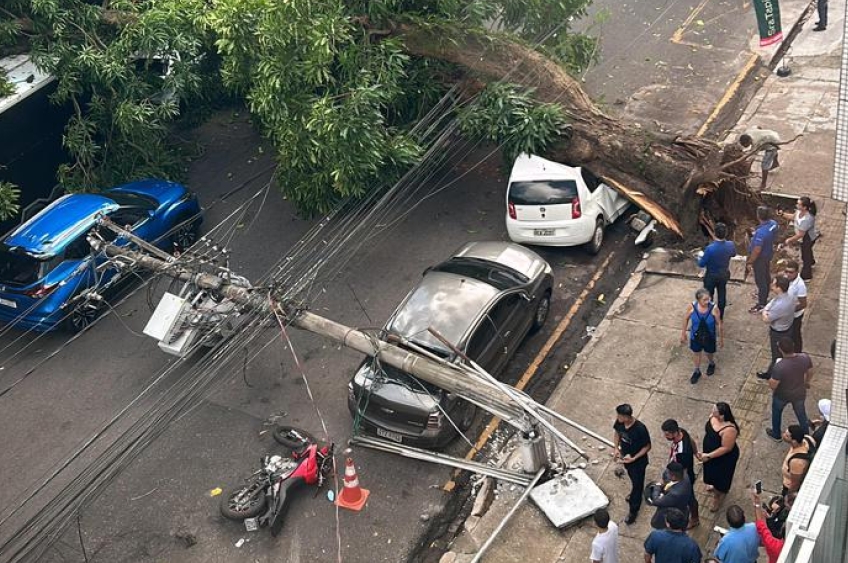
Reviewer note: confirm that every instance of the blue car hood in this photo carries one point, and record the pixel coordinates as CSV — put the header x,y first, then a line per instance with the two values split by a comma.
x,y
58,224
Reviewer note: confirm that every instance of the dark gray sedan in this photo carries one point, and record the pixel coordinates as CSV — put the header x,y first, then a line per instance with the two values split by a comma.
x,y
484,300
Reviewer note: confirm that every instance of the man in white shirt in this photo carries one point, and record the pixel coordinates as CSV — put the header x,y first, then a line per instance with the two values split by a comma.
x,y
605,544
764,140
798,290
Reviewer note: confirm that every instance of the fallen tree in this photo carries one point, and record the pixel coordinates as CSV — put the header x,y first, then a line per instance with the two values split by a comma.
x,y
684,182
337,86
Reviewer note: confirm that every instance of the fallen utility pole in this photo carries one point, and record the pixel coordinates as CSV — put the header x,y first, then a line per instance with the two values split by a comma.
x,y
421,367
441,459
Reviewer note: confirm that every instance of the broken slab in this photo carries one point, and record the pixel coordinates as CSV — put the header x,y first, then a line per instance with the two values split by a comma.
x,y
685,264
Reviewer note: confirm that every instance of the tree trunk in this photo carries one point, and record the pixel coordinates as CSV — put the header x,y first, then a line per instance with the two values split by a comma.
x,y
683,175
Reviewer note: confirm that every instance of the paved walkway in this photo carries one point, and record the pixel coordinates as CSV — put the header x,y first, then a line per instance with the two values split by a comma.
x,y
636,356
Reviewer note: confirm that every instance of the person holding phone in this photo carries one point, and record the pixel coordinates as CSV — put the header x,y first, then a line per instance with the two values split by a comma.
x,y
772,545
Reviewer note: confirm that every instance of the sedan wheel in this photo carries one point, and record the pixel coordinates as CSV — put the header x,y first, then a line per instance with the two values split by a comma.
x,y
542,311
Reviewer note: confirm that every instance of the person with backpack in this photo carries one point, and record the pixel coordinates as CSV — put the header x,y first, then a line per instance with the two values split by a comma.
x,y
797,460
702,326
790,378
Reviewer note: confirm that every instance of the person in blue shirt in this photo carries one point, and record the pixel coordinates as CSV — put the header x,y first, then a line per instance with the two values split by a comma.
x,y
741,543
672,545
760,252
716,260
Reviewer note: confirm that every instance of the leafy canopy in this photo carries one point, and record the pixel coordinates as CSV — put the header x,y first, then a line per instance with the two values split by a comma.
x,y
329,83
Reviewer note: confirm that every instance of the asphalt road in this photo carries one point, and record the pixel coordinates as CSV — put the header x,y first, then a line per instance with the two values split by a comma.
x,y
165,492
161,503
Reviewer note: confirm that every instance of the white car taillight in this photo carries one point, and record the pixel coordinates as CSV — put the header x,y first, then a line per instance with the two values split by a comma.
x,y
576,212
511,208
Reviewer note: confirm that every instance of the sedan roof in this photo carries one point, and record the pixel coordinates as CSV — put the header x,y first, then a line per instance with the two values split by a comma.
x,y
444,301
58,224
513,256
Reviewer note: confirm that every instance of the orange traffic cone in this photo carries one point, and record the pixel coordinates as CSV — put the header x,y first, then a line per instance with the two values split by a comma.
x,y
352,496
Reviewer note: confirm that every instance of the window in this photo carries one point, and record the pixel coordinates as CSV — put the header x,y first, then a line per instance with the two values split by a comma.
x,y
503,311
592,181
544,192
78,249
129,216
483,337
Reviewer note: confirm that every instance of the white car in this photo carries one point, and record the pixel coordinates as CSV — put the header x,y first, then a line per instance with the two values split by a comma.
x,y
551,204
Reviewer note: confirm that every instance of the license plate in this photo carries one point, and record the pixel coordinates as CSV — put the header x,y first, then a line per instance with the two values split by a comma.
x,y
251,524
389,435
8,303
543,232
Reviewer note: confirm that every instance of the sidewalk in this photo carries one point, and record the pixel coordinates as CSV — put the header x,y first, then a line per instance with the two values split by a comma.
x,y
636,357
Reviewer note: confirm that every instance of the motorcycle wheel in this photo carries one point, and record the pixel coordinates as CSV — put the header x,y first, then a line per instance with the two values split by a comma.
x,y
293,437
243,502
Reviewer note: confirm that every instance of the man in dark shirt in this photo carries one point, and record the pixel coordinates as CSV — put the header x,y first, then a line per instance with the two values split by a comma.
x,y
716,260
790,377
632,444
760,252
683,450
676,492
672,545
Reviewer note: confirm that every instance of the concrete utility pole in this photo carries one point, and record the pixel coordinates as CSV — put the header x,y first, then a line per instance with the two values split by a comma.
x,y
441,374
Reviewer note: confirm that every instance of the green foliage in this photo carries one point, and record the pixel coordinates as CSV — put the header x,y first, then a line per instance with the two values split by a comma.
x,y
6,87
506,114
333,102
326,82
9,196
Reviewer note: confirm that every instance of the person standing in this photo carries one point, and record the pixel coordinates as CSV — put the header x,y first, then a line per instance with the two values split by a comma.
x,y
821,8
705,329
797,460
819,425
683,451
798,290
760,252
719,452
632,444
675,492
806,234
672,545
779,314
605,543
772,544
716,261
790,378
764,140
740,544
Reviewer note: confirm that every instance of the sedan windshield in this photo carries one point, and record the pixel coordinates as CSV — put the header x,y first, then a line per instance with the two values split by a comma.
x,y
545,192
496,275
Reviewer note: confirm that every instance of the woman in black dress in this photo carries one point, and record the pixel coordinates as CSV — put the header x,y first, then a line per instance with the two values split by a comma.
x,y
720,452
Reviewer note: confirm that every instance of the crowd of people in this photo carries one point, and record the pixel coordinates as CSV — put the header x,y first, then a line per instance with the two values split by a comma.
x,y
780,300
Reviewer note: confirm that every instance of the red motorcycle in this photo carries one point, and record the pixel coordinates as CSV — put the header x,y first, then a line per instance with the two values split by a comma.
x,y
262,499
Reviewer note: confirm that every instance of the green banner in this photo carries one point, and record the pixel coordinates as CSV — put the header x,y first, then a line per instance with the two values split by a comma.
x,y
768,21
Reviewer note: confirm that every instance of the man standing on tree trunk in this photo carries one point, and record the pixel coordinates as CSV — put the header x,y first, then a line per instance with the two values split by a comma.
x,y
764,140
760,252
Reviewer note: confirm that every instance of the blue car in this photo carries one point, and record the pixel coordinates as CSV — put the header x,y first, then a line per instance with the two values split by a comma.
x,y
47,262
